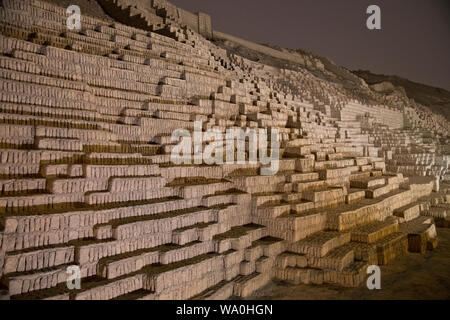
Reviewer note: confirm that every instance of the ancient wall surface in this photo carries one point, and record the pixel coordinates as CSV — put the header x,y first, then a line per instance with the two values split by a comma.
x,y
88,177
257,47
205,25
138,12
381,114
188,18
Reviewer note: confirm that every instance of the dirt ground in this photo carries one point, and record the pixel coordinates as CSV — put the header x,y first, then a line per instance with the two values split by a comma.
x,y
413,276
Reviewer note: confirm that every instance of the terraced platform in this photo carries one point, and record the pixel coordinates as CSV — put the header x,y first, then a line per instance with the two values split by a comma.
x,y
86,176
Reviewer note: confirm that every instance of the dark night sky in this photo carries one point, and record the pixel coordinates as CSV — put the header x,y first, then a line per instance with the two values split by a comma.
x,y
414,41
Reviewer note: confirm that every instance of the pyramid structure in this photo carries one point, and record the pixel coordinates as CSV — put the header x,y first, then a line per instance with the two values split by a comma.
x,y
87,179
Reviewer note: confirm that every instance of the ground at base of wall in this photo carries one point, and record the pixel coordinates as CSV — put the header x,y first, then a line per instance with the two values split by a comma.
x,y
413,276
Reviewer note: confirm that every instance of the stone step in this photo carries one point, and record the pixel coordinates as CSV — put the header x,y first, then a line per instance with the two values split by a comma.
x,y
199,189
297,275
92,146
197,232
292,197
262,265
173,116
366,252
367,183
40,258
361,161
373,232
309,185
302,177
163,222
113,158
239,238
25,282
11,187
115,171
376,173
335,173
291,259
366,210
376,192
106,290
408,212
244,286
257,184
300,206
366,169
12,171
396,179
62,170
391,247
181,280
354,195
359,175
73,133
116,266
351,276
259,199
325,197
42,201
305,165
298,142
336,259
272,211
77,185
59,144
152,280
271,247
334,156
232,196
296,226
222,291
105,198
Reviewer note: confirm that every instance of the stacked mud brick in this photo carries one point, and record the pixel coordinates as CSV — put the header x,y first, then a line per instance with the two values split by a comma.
x,y
86,179
413,151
